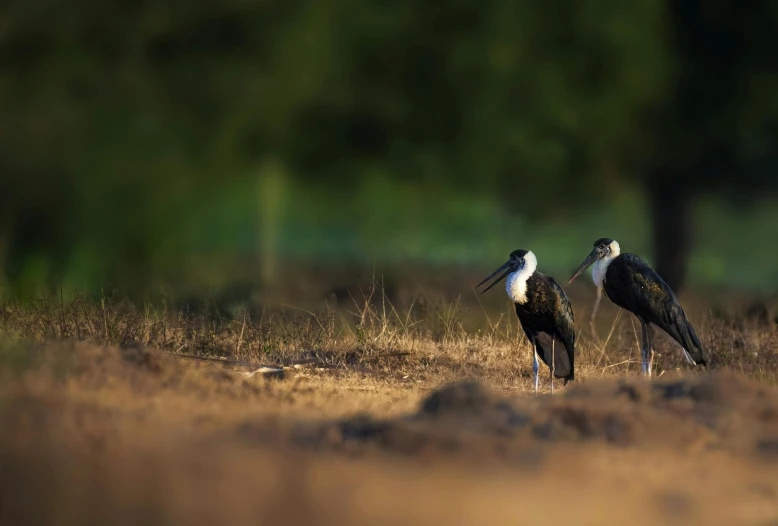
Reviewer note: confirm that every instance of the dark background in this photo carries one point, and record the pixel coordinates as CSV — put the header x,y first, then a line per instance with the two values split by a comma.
x,y
192,145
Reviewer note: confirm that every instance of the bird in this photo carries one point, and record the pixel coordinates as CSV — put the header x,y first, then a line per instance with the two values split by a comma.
x,y
629,282
544,311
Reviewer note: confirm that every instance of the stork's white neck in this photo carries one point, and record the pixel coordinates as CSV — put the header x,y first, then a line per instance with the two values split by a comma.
x,y
516,285
601,265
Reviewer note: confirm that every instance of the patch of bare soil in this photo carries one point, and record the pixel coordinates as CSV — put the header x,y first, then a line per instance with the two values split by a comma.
x,y
107,436
715,412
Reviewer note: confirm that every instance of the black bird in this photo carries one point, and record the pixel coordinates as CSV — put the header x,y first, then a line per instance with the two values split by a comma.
x,y
630,283
544,312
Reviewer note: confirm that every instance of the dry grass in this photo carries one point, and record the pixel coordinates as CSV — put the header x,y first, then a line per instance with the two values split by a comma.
x,y
426,340
106,421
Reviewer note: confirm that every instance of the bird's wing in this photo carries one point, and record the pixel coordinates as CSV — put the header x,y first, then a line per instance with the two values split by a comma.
x,y
630,283
563,316
638,288
564,331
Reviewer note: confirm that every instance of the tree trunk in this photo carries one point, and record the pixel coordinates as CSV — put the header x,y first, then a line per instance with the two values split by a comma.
x,y
671,227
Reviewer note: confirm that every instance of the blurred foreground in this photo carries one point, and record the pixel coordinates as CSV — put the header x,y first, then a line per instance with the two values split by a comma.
x,y
113,414
102,436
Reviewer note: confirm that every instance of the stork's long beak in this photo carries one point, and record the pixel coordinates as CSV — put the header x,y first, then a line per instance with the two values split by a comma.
x,y
591,258
506,267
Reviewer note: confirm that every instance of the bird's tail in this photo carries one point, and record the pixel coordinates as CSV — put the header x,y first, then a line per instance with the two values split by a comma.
x,y
693,349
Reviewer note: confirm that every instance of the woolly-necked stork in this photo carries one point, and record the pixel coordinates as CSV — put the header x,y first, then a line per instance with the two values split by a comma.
x,y
544,312
630,283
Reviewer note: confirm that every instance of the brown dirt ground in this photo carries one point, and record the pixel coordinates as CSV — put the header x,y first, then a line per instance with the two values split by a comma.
x,y
103,435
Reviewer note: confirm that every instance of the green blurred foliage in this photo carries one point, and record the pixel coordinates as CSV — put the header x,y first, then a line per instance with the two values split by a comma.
x,y
137,138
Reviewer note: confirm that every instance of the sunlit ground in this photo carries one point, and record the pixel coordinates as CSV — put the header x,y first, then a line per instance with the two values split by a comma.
x,y
355,423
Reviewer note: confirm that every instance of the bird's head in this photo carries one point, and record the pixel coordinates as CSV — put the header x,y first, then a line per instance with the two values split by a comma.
x,y
604,247
516,261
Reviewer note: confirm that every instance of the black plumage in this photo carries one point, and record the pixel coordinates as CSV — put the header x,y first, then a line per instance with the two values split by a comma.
x,y
544,311
548,315
633,285
629,282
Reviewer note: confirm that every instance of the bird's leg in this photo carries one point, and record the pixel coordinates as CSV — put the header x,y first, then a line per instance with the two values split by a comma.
x,y
535,367
552,365
643,347
649,348
594,312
